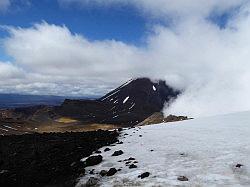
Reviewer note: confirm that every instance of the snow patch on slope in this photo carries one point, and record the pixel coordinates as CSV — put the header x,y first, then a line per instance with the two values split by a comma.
x,y
4,129
205,150
125,100
115,116
154,88
10,127
132,106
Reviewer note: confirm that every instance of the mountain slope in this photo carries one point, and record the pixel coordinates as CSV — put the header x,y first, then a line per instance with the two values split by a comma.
x,y
211,151
129,104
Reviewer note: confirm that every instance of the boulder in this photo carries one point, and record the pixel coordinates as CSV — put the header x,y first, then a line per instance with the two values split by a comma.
x,y
111,171
93,160
144,175
239,165
107,149
182,178
132,166
103,173
117,153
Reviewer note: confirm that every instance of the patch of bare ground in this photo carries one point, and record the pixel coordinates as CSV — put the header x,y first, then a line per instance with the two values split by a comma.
x,y
8,127
158,117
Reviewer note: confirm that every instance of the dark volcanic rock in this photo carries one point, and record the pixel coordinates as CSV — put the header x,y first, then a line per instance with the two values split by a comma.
x,y
132,166
117,153
107,149
103,173
144,175
127,105
182,178
91,172
49,159
93,160
238,165
131,158
111,171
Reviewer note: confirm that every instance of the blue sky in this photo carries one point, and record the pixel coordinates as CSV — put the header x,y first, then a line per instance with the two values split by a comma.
x,y
96,23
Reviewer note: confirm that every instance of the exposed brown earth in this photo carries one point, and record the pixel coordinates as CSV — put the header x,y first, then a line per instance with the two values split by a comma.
x,y
18,126
28,127
15,122
158,117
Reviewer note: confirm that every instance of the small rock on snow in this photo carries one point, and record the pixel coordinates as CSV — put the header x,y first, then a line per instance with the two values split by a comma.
x,y
117,153
131,158
111,171
182,178
92,172
103,173
132,166
238,165
107,149
144,175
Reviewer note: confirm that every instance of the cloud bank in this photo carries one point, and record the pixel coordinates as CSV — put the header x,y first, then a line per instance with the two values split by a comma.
x,y
209,63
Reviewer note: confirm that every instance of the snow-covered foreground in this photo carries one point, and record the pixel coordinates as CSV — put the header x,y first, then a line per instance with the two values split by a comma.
x,y
204,150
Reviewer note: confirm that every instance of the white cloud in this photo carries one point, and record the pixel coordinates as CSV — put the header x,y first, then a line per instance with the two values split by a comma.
x,y
179,8
210,64
52,54
4,4
9,71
